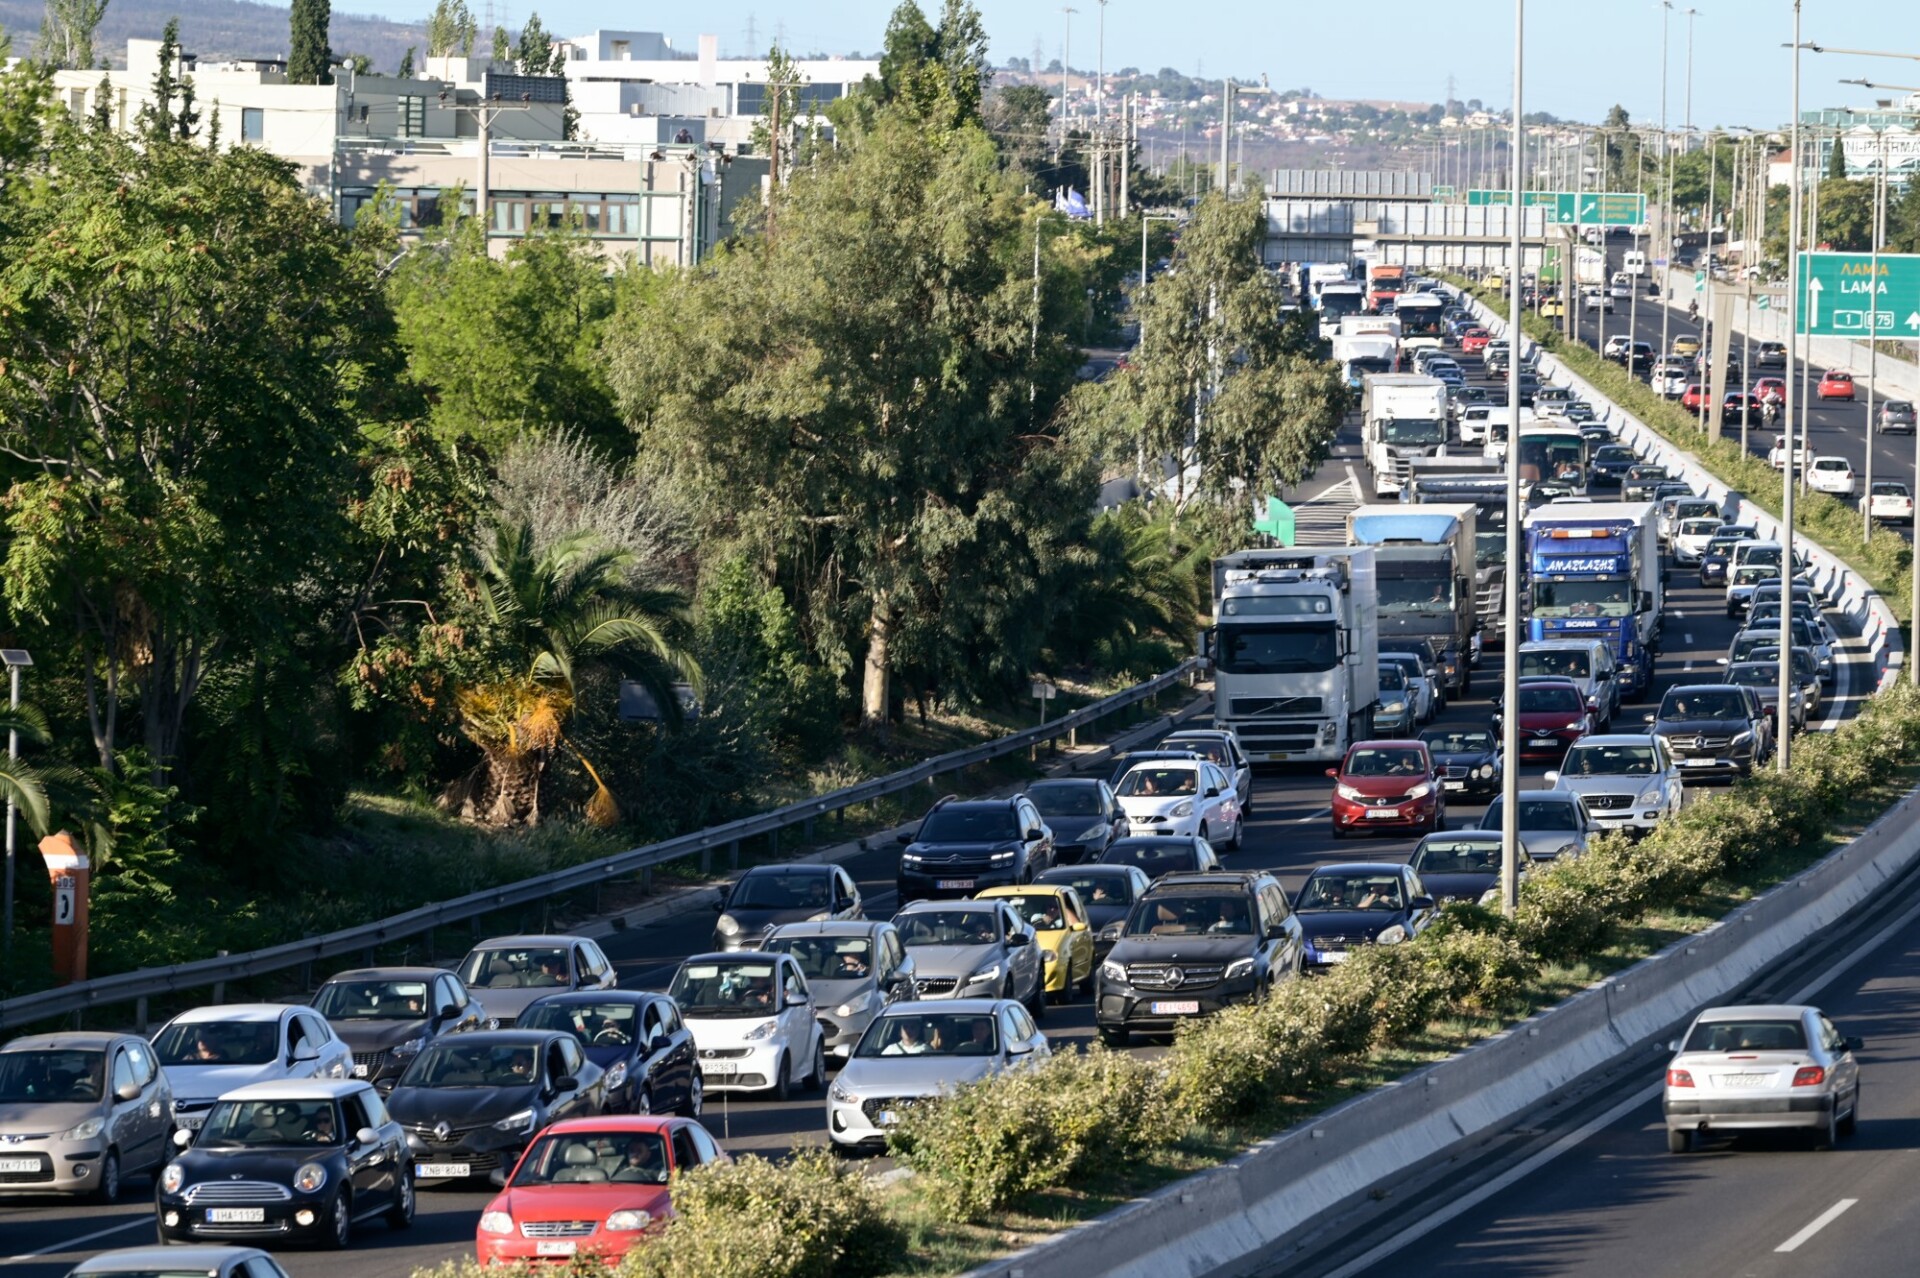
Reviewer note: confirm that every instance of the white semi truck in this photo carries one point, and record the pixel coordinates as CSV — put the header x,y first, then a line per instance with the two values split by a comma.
x,y
1295,646
1403,416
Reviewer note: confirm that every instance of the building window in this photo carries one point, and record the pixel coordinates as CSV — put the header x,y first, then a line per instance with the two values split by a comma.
x,y
253,124
622,51
413,116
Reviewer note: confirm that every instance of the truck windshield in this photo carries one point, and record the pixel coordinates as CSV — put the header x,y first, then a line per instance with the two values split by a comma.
x,y
1345,302
1409,430
1559,461
1369,364
1303,648
1582,599
1489,548
1415,594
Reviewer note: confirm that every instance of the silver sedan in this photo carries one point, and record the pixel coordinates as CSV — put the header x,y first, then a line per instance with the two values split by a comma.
x,y
1762,1066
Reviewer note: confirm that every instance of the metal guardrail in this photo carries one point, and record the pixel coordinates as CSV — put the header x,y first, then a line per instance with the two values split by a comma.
x,y
134,986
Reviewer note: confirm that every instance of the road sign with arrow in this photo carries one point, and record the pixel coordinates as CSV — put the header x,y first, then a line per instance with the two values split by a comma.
x,y
1852,295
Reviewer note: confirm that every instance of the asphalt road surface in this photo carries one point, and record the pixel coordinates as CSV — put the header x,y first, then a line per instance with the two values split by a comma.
x,y
1288,834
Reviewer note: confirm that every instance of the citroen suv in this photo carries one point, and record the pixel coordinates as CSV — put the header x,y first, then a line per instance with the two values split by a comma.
x,y
962,847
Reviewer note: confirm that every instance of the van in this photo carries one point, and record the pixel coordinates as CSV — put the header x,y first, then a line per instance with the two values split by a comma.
x,y
1588,662
1634,262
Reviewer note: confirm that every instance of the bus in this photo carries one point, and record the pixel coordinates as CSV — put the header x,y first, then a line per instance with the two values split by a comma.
x,y
1553,459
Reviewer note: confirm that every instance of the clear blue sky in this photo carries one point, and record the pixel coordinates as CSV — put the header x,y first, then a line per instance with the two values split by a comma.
x,y
1582,55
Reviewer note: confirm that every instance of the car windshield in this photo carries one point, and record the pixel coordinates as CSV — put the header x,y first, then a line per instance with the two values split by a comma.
x,y
1568,664
726,987
948,927
1614,453
1209,748
1351,892
1042,910
1703,705
1457,856
218,1043
1097,889
1458,741
779,890
1392,679
969,825
1583,598
828,958
1550,699
372,1000
599,1024
1196,914
1535,814
518,967
51,1076
1154,780
1882,489
1066,798
1747,1036
452,1063
1608,761
1155,856
1413,430
235,1124
595,1158
1698,527
1763,678
931,1034
1377,761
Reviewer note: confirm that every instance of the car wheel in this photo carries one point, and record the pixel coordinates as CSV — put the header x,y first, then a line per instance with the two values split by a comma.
x,y
1827,1136
1239,835
1038,1004
1203,832
107,1189
1115,1037
816,1079
782,1087
339,1223
1679,1141
643,1102
401,1217
1338,833
696,1097
1851,1123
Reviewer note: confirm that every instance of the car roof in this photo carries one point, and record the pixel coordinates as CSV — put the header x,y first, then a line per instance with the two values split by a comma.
x,y
830,927
66,1040
388,974
1105,869
234,1012
1230,880
633,996
636,1123
972,906
1410,743
1747,1011
1692,689
734,956
1057,782
1615,739
1021,889
298,1089
147,1259
1360,867
797,867
531,938
1476,836
924,1007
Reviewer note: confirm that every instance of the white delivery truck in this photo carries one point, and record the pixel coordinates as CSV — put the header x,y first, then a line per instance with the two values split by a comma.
x,y
1402,416
1365,354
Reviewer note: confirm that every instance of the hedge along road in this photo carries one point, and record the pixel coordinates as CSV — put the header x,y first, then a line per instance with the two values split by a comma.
x,y
1287,834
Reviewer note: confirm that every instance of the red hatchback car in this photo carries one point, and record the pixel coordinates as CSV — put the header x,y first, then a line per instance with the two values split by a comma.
x,y
1474,341
591,1187
1553,715
1386,785
1693,396
1770,390
1836,385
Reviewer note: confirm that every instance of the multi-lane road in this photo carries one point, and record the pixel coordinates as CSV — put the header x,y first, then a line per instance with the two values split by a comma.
x,y
1288,834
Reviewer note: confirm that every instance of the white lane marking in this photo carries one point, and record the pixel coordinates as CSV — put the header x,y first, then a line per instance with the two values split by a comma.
x,y
73,1244
1687,638
1818,1223
1687,667
1313,816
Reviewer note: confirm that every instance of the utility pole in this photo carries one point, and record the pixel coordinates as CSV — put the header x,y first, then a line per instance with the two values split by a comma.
x,y
1226,131
1066,66
1691,15
1784,754
1510,851
1873,327
1665,250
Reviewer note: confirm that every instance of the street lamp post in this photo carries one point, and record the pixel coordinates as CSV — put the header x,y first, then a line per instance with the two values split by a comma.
x,y
16,659
1784,754
1141,337
1510,681
1666,194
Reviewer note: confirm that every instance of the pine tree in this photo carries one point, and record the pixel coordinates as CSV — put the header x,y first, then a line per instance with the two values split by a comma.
x,y
310,61
186,119
406,65
502,45
101,117
1837,161
156,118
536,52
66,33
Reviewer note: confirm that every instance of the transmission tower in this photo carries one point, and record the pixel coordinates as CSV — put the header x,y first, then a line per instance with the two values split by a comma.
x,y
753,38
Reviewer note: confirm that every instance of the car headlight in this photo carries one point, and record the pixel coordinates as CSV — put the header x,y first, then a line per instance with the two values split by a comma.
x,y
516,1124
172,1178
1651,795
496,1222
1001,858
412,1047
855,1006
86,1129
910,859
1742,738
762,1032
1420,791
1577,724
310,1179
617,1076
1346,791
1112,971
1394,707
840,1094
1484,771
625,1222
1091,834
728,925
1184,808
985,974
1239,968
1391,936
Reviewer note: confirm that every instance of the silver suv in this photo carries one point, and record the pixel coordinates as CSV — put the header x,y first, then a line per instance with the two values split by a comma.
x,y
1629,781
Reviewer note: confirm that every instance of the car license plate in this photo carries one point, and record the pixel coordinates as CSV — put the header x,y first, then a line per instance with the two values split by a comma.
x,y
555,1247
191,1122
1696,763
433,1171
1278,756
236,1215
359,1070
955,885
1547,742
1456,785
1743,1080
1183,1007
19,1165
720,1067
1377,814
888,1117
1333,956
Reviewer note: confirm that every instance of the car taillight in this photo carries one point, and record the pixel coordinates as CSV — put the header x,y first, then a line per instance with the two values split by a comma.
x,y
1679,1078
1809,1076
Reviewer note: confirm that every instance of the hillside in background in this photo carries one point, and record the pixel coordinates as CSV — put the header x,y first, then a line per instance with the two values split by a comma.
x,y
223,29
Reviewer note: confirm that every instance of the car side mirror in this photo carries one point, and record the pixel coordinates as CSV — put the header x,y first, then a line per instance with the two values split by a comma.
x,y
1650,718
720,904
565,1083
1212,792
1673,1045
182,1138
659,1044
366,1136
1551,777
127,1092
1034,835
1019,940
1855,1044
797,1000
301,1055
905,836
1019,1049
1333,772
1423,903
1721,661
904,974
449,1013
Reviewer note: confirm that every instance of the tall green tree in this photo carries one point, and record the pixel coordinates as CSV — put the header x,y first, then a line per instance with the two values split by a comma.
x,y
159,117
405,69
309,57
66,33
536,53
1837,160
451,30
26,103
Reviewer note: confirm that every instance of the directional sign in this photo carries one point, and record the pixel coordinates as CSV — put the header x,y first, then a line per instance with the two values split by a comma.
x,y
1847,295
1575,208
1442,192
1276,522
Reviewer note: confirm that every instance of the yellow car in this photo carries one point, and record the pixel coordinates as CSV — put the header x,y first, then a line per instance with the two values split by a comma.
x,y
1686,345
1058,918
1552,308
1494,282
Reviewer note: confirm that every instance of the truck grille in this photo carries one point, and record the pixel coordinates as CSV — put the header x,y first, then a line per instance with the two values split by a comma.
x,y
1248,706
1173,976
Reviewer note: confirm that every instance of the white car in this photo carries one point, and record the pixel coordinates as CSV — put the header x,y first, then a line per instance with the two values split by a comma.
x,y
914,1051
1220,747
1777,455
210,1051
1832,475
1598,300
1629,781
1758,1067
1671,380
1616,347
1691,538
1890,502
1179,796
753,1022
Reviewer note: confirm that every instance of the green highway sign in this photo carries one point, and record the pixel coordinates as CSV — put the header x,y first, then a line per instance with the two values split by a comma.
x,y
1277,522
1575,208
1443,193
1846,295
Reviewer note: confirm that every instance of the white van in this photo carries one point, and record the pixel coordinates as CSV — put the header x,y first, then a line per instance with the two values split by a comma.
x,y
1634,263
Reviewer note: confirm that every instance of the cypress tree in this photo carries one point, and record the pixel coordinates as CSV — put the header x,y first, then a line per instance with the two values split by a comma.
x,y
310,60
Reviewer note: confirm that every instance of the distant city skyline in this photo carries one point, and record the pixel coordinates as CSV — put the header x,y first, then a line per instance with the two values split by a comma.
x,y
1582,58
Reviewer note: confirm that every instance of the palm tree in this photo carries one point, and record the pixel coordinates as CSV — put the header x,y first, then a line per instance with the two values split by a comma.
x,y
1141,599
550,615
21,784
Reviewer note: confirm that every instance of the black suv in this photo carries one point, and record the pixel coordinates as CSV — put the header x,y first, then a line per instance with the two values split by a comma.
x,y
961,848
1715,731
1193,944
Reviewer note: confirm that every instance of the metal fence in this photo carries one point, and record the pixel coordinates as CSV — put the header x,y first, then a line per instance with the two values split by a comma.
x,y
137,987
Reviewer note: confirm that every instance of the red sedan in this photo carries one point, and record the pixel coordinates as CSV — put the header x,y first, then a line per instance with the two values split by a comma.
x,y
1386,785
591,1187
1836,385
1474,341
1693,396
1553,715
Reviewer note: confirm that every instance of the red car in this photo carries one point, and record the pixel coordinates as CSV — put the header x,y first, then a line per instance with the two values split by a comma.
x,y
1770,390
1693,396
1553,715
591,1187
1474,340
1387,785
1836,385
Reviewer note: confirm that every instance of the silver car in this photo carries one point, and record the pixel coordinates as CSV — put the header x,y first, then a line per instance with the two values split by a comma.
x,y
509,972
211,1051
212,1262
914,1051
855,969
79,1112
1628,781
1764,1066
972,949
1553,823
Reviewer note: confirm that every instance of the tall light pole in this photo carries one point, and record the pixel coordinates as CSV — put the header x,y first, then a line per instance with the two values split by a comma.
x,y
16,659
1666,204
1784,755
1510,675
1691,15
1066,68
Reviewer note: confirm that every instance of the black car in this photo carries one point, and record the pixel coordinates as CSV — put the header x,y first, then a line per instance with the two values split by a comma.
x,y
1084,815
302,1160
1467,759
388,1015
1715,732
1171,854
1342,907
637,1038
471,1103
1610,464
1719,552
1461,865
768,895
1108,892
1640,482
1529,386
1195,943
963,847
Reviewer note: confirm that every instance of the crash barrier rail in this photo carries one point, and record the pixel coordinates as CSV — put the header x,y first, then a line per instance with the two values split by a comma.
x,y
1250,1214
137,987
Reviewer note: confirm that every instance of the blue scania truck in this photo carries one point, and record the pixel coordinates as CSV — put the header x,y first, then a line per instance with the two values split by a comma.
x,y
1594,572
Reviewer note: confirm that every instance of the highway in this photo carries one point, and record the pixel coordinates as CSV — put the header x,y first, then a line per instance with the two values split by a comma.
x,y
1288,834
